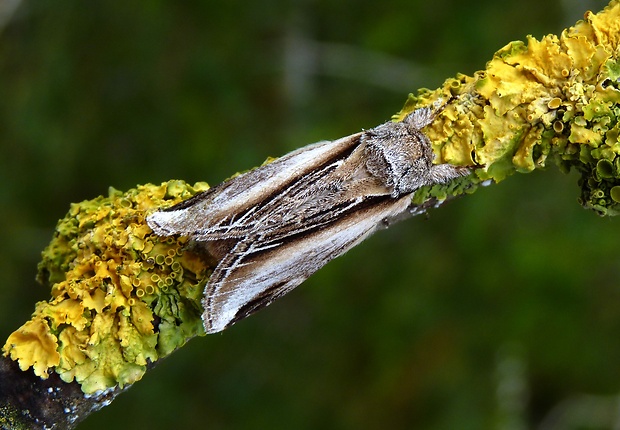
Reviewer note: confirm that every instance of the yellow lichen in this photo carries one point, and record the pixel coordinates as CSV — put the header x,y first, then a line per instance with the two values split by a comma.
x,y
33,345
108,317
532,102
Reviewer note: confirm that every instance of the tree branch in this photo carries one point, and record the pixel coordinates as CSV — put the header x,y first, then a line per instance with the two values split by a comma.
x,y
29,402
123,298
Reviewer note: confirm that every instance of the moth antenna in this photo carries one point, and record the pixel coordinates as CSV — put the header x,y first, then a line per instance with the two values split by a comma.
x,y
422,117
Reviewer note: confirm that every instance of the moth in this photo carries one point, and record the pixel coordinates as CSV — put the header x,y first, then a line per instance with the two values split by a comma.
x,y
274,226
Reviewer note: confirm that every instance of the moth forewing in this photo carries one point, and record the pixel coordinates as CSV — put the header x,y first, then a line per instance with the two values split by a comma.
x,y
222,204
260,273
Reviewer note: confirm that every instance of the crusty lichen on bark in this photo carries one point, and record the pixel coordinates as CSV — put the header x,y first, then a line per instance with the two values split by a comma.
x,y
556,99
122,298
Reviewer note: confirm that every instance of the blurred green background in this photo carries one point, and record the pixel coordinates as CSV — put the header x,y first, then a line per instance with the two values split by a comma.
x,y
501,310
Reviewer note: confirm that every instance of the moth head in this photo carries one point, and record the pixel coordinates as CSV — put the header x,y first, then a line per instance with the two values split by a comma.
x,y
398,155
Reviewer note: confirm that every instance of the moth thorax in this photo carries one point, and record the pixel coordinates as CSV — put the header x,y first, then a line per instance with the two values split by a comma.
x,y
378,166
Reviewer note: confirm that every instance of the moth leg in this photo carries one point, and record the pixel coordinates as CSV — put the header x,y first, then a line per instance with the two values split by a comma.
x,y
443,173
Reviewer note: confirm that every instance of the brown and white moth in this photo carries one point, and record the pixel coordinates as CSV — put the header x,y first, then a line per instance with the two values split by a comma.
x,y
274,226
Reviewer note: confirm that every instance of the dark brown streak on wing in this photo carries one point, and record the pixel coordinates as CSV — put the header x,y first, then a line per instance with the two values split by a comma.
x,y
270,207
220,247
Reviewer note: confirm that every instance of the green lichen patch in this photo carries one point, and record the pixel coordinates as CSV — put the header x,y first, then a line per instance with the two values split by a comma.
x,y
121,297
557,99
443,192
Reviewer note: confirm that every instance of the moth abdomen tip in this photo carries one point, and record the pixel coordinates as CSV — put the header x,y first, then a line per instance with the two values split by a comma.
x,y
213,326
